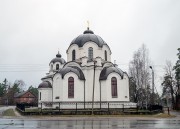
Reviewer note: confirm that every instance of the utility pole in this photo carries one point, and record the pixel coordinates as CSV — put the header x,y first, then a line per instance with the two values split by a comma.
x,y
152,96
93,88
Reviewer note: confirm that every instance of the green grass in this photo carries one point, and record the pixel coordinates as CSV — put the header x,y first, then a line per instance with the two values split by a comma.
x,y
32,110
164,115
9,112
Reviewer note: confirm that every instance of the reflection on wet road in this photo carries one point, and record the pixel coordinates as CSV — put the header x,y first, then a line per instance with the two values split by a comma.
x,y
89,124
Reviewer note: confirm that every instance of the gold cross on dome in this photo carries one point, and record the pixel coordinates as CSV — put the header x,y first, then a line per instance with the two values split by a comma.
x,y
88,25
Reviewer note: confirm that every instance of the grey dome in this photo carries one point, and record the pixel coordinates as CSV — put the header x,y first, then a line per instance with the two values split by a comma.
x,y
87,36
73,69
107,70
58,59
45,84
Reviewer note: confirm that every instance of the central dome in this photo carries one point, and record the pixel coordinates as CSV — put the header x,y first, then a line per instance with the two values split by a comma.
x,y
87,36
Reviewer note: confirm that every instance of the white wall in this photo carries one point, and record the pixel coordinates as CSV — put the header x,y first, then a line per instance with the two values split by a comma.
x,y
57,88
83,51
78,88
46,95
104,90
54,66
122,88
89,74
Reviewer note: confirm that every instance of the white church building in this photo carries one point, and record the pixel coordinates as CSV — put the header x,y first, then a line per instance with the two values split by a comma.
x,y
87,77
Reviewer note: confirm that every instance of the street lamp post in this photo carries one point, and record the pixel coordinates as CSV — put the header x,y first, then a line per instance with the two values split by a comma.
x,y
152,96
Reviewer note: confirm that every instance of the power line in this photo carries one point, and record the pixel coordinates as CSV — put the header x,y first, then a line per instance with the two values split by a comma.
x,y
27,71
23,67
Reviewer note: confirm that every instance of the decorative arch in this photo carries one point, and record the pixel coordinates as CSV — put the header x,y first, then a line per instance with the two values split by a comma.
x,y
114,87
70,87
90,53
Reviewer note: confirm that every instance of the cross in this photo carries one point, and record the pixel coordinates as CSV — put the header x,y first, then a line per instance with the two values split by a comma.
x,y
88,25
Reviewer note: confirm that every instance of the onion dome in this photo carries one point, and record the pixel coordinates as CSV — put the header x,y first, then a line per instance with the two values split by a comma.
x,y
58,59
87,36
107,70
45,84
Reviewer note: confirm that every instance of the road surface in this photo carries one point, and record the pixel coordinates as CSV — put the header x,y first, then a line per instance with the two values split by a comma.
x,y
91,123
88,122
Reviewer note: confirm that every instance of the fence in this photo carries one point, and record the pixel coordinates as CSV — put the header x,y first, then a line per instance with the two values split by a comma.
x,y
86,105
64,108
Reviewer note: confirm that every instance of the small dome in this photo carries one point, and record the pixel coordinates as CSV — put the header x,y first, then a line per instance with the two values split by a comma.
x,y
107,70
87,36
45,84
58,59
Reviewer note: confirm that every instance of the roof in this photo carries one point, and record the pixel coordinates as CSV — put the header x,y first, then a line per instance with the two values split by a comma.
x,y
58,59
73,69
45,84
48,76
107,70
17,95
87,36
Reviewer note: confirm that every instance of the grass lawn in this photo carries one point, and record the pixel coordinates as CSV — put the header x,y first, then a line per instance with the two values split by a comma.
x,y
164,115
9,112
32,110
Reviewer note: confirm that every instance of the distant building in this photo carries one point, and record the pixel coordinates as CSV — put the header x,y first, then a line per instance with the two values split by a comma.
x,y
25,97
87,76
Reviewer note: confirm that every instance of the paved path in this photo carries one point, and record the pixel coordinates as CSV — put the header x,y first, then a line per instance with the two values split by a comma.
x,y
3,108
177,114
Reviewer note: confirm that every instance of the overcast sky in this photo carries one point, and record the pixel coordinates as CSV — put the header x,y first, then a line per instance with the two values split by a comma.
x,y
32,31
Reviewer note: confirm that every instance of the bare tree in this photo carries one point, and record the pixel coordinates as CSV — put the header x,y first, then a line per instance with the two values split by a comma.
x,y
169,83
140,74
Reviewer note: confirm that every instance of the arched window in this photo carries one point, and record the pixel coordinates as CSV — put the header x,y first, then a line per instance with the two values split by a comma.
x,y
73,55
70,87
39,95
90,53
114,87
57,66
105,55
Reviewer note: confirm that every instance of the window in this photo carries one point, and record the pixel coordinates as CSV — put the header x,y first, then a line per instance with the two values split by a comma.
x,y
70,87
57,97
105,54
73,55
90,53
114,87
57,66
39,95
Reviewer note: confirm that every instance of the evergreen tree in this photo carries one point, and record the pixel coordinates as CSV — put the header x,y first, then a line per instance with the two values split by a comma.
x,y
33,90
177,76
177,70
2,89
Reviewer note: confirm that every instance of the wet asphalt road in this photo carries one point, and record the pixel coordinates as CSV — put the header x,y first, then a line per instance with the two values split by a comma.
x,y
90,124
